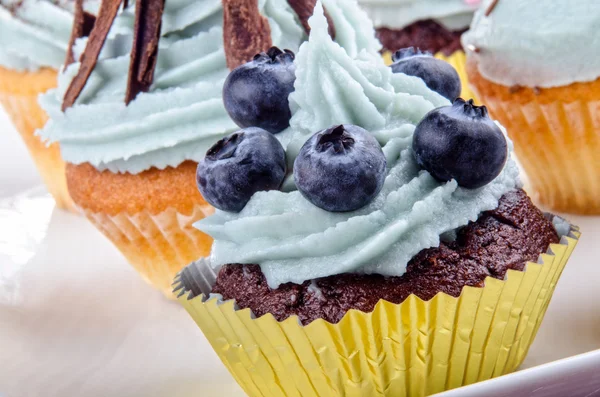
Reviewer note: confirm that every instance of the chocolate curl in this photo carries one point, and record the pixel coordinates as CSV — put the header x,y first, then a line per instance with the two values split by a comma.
x,y
144,53
491,8
83,25
245,31
89,58
305,9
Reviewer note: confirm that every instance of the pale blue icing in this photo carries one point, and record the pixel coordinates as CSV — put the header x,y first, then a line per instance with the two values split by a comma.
x,y
353,29
294,241
183,114
532,43
36,36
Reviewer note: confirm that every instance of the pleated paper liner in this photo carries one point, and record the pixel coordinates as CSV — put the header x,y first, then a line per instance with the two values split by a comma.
x,y
458,60
159,245
552,129
19,96
415,348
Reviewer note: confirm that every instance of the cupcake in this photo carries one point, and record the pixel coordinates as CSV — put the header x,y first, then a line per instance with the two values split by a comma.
x,y
34,38
139,111
400,257
434,26
530,63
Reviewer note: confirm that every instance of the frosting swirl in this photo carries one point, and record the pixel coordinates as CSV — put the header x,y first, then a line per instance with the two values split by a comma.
x,y
536,43
397,14
35,33
183,114
295,241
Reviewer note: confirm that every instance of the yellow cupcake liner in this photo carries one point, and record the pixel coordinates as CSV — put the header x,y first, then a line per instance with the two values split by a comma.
x,y
458,60
547,137
19,96
415,348
159,245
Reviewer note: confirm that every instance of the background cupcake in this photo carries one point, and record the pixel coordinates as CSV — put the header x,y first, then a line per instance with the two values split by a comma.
x,y
34,38
533,64
431,25
133,131
373,273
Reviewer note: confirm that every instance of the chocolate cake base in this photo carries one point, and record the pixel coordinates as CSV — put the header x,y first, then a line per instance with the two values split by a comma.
x,y
428,35
506,238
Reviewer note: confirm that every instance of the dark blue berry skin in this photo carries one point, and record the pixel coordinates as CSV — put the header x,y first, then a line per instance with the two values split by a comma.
x,y
340,169
256,93
239,165
460,142
438,75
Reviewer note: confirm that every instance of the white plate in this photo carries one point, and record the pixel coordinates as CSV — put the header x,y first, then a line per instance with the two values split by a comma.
x,y
76,320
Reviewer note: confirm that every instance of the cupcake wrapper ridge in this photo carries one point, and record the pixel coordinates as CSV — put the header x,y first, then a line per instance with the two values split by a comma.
x,y
159,245
414,348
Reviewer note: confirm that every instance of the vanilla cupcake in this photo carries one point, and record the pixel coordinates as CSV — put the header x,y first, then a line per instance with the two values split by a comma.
x,y
34,38
402,258
434,26
535,65
132,125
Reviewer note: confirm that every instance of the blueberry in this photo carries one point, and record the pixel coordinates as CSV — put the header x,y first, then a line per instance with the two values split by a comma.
x,y
239,165
256,93
460,142
438,75
340,169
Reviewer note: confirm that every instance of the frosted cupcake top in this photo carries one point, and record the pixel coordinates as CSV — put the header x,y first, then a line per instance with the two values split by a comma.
x,y
397,14
35,33
294,240
182,113
533,43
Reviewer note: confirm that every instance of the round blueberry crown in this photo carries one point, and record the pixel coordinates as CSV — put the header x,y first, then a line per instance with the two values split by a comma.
x,y
342,168
335,139
438,75
256,94
461,142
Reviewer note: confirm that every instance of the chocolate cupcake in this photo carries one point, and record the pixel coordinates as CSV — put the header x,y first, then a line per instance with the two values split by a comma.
x,y
396,257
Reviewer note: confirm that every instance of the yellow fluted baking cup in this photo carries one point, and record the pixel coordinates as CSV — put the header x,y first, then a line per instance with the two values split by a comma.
x,y
415,348
19,96
458,60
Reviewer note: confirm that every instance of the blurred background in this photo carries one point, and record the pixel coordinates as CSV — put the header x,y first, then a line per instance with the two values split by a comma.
x,y
17,170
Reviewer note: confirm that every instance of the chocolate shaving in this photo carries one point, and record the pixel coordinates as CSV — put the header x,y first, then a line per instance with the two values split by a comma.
x,y
89,58
491,8
125,4
305,9
144,53
82,27
537,90
245,31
